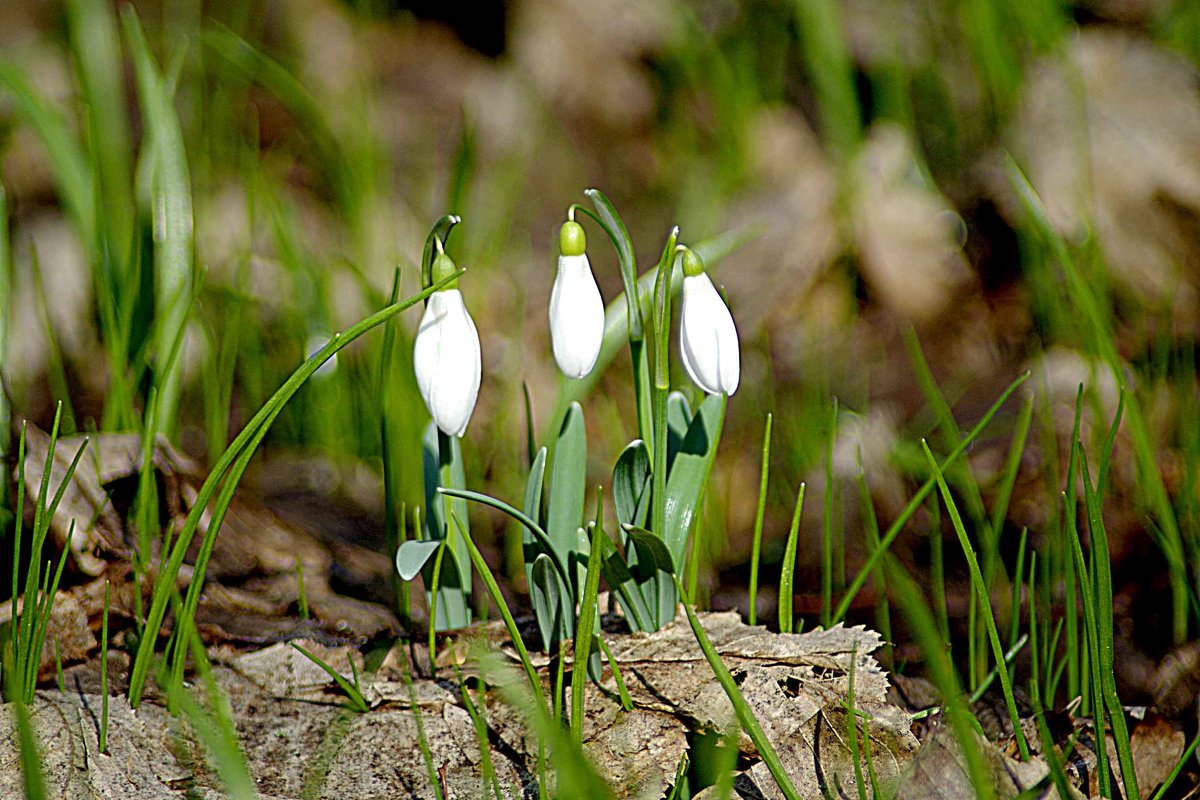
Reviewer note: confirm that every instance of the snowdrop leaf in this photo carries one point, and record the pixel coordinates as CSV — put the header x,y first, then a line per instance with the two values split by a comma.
x,y
564,510
622,582
533,510
650,549
545,595
679,417
631,479
413,555
610,220
533,486
540,535
689,473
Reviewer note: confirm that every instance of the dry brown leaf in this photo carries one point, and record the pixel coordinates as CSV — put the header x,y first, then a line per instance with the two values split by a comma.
x,y
909,237
85,514
1156,747
1176,680
939,772
1110,136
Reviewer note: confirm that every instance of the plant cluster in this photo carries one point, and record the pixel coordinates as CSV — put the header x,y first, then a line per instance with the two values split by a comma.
x,y
659,479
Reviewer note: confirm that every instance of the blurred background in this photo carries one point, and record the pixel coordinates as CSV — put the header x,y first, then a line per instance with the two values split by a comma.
x,y
868,154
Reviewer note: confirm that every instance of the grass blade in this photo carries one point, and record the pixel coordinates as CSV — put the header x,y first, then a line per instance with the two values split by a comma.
x,y
745,714
587,622
172,217
1094,322
827,521
233,462
759,515
67,160
510,624
898,525
96,47
942,673
357,701
787,575
1101,580
985,604
576,776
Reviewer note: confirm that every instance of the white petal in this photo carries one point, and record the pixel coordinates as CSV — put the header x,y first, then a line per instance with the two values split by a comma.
x,y
708,340
447,361
576,316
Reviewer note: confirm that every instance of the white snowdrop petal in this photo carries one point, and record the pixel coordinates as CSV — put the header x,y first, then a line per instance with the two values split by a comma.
x,y
708,338
447,361
576,316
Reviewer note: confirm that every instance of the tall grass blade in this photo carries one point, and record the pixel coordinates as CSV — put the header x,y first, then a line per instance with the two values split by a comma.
x,y
897,526
67,160
745,714
1012,467
588,619
942,673
104,674
171,208
576,777
233,462
56,371
787,576
510,624
1095,324
883,618
1057,774
479,722
828,64
6,279
985,604
759,514
394,522
31,759
216,729
96,47
1101,580
827,521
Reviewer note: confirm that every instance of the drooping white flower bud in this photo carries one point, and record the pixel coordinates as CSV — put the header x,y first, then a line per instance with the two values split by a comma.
x,y
708,339
446,355
576,308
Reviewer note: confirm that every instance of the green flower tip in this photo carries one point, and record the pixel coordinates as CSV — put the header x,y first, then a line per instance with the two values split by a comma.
x,y
571,239
692,264
444,267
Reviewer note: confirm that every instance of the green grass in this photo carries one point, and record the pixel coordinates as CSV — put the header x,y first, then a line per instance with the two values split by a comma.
x,y
350,688
759,515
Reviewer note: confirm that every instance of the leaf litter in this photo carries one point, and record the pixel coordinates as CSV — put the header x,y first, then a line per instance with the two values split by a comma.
x,y
300,740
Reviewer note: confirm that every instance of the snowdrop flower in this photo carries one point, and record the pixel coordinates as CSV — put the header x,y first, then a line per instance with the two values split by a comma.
x,y
708,340
446,355
576,309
